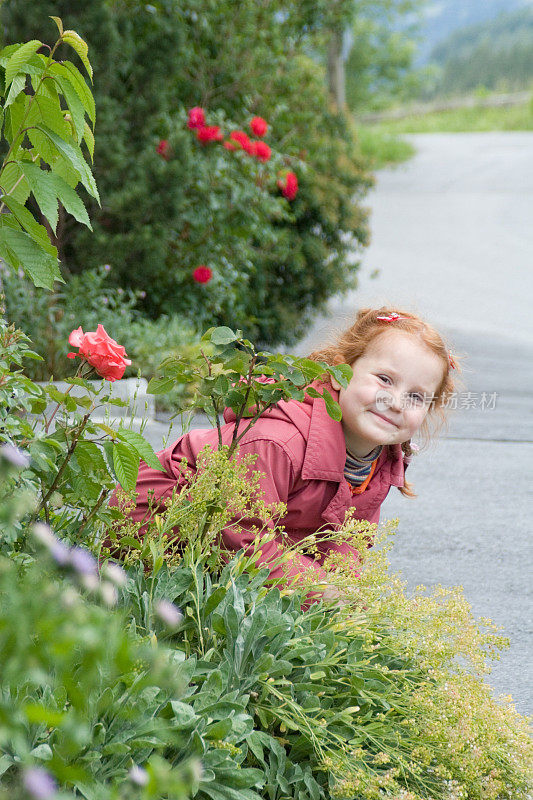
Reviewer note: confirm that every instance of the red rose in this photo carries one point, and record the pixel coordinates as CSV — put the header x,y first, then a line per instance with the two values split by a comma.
x,y
101,351
258,126
164,149
289,185
261,151
242,138
211,133
202,274
196,118
230,146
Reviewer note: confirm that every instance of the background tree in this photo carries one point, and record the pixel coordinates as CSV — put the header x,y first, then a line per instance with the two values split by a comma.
x,y
384,38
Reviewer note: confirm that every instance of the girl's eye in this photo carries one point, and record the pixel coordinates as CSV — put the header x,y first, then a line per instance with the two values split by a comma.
x,y
418,398
384,378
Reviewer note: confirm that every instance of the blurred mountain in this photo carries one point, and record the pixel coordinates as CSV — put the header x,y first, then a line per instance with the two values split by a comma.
x,y
443,17
496,54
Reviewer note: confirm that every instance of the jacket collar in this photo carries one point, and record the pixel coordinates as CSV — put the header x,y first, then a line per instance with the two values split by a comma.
x,y
325,454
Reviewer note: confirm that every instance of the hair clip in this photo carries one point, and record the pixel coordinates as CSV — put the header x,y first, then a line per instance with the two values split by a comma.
x,y
451,360
393,317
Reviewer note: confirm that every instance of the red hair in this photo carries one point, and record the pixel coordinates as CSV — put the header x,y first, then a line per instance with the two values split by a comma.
x,y
353,342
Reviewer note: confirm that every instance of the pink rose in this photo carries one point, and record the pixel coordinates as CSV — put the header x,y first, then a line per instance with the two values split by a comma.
x,y
101,351
164,149
243,140
258,126
261,151
289,185
209,133
202,274
196,118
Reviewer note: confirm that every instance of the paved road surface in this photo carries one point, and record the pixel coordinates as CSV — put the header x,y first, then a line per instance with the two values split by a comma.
x,y
453,240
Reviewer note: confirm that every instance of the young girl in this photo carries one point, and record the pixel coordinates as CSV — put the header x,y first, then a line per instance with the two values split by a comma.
x,y
320,468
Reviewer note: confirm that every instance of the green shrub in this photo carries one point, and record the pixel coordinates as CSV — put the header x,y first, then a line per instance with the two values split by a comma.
x,y
273,262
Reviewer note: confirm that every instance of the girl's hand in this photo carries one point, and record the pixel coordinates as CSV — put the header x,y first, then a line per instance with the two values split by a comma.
x,y
333,594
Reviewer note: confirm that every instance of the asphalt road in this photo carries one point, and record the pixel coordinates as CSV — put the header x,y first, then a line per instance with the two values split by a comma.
x,y
453,240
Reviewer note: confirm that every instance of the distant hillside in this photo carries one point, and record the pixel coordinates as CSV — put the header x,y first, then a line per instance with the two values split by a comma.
x,y
496,54
443,17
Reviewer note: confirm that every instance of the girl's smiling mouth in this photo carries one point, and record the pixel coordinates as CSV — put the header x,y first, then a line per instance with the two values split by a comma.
x,y
385,419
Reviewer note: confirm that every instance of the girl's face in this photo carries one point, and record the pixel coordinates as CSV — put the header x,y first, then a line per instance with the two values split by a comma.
x,y
390,392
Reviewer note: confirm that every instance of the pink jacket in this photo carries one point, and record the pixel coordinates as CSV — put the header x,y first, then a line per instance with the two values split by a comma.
x,y
301,452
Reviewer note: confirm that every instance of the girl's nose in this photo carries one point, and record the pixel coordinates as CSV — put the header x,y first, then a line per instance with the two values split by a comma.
x,y
396,400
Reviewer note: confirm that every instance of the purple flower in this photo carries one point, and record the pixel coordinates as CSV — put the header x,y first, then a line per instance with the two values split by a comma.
x,y
15,456
142,294
82,561
39,783
108,593
60,553
168,613
105,300
138,775
115,574
107,267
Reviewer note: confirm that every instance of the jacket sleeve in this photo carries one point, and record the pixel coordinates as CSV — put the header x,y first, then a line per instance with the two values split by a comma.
x,y
276,477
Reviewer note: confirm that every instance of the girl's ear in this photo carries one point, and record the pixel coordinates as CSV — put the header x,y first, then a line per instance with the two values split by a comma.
x,y
334,382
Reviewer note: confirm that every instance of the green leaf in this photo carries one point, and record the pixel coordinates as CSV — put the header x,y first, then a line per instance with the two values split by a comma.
x,y
126,464
77,111
43,191
78,44
218,730
42,751
160,385
14,183
47,110
343,374
214,600
47,188
88,135
37,713
18,84
184,715
40,266
223,335
26,219
73,155
20,58
69,199
84,92
14,116
141,446
59,22
333,408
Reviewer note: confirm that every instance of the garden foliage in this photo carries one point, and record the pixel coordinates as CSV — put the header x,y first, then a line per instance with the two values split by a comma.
x,y
185,673
273,260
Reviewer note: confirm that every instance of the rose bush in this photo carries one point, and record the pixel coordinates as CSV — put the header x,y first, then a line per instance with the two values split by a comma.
x,y
101,351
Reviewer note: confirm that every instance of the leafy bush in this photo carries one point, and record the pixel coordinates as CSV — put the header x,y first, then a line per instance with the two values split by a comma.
x,y
273,261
